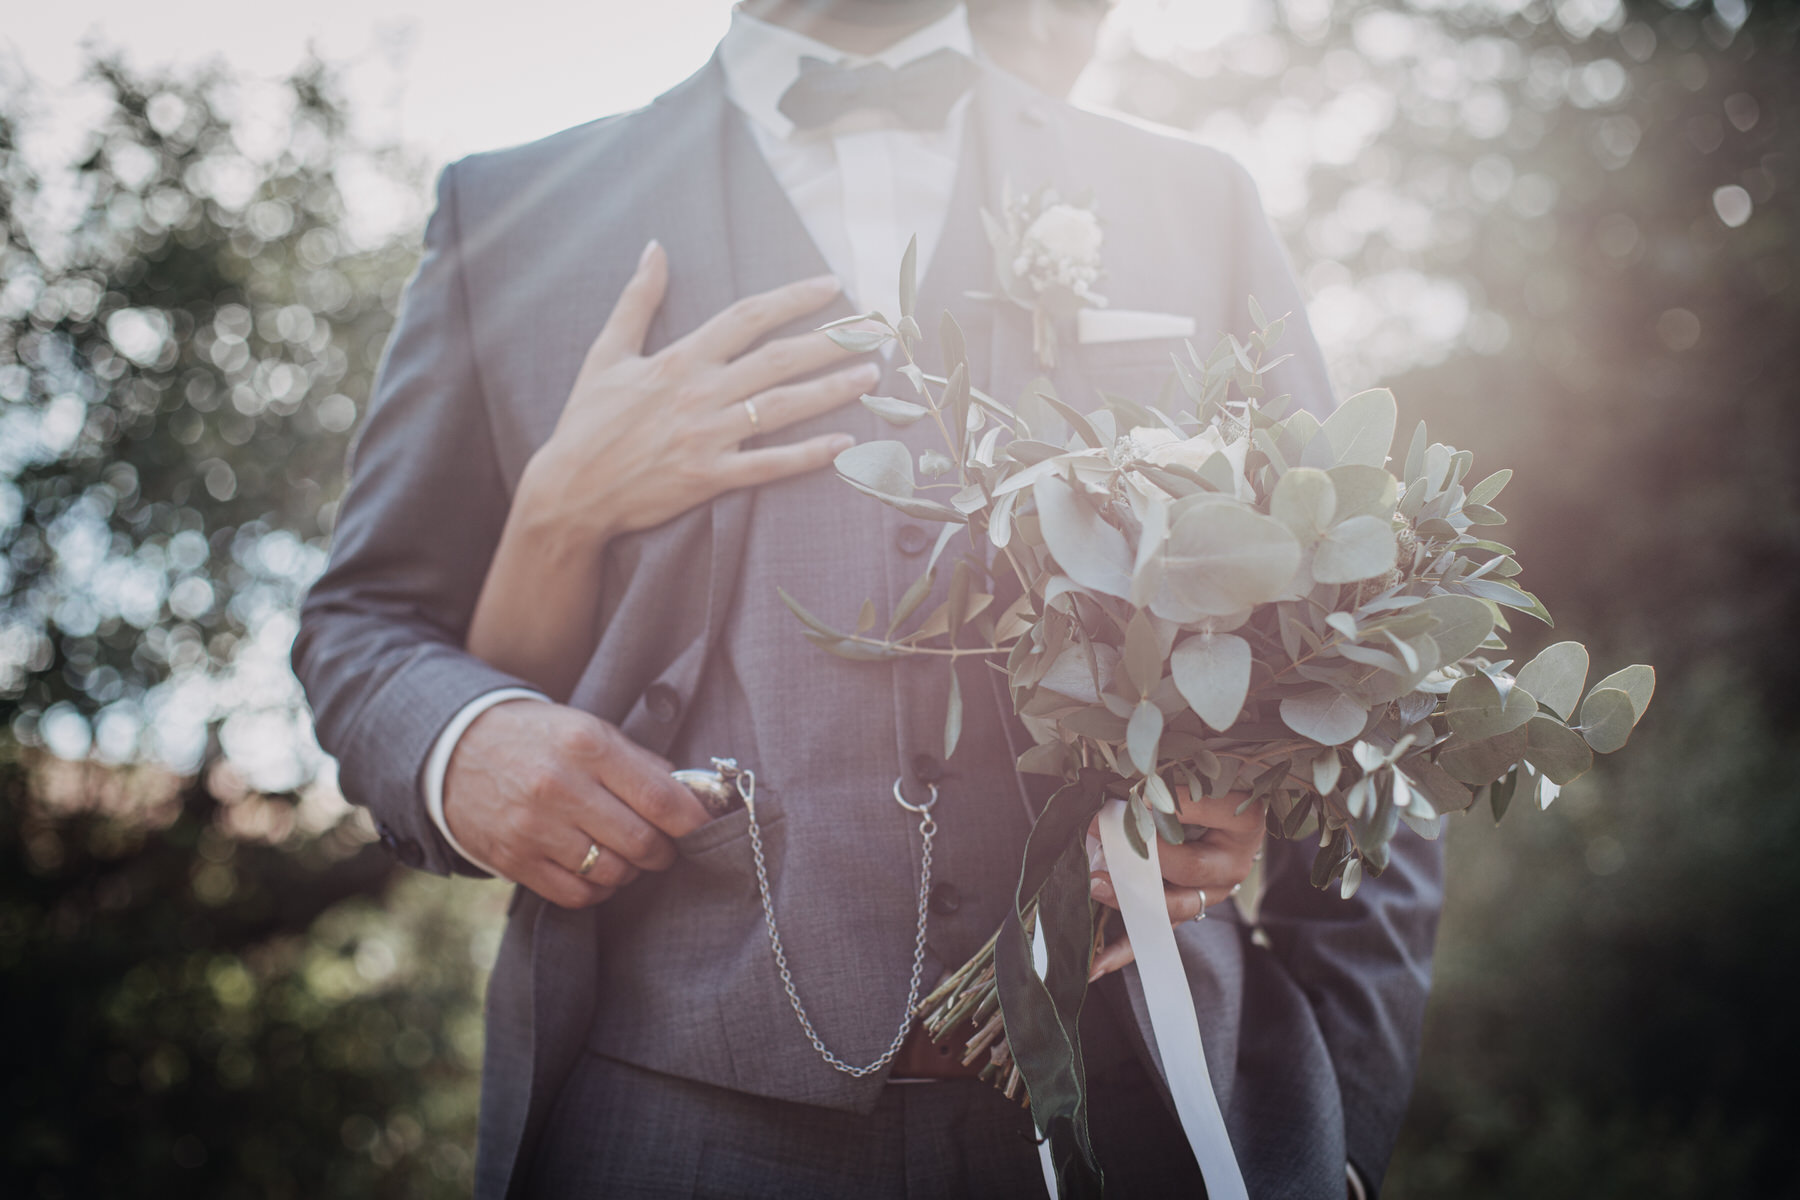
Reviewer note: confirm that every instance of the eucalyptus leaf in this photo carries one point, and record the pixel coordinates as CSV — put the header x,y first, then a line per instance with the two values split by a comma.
x,y
1090,551
1223,559
1212,672
885,467
1325,715
858,341
1142,733
1488,489
1304,500
1556,677
909,285
1353,550
1556,750
1476,709
1463,624
953,715
1478,761
1360,431
894,411
1638,682
1607,716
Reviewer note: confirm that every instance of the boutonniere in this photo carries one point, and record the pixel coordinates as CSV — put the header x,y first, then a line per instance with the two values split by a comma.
x,y
1046,261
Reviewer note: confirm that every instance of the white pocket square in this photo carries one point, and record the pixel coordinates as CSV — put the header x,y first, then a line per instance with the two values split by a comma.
x,y
1094,325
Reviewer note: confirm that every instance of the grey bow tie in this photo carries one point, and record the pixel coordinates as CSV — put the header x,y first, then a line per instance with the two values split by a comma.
x,y
920,93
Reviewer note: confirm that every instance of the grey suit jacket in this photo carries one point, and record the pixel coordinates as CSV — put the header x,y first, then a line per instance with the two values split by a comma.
x,y
1312,1042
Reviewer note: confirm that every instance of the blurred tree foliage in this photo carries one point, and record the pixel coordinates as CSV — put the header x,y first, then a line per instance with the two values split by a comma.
x,y
209,990
1613,191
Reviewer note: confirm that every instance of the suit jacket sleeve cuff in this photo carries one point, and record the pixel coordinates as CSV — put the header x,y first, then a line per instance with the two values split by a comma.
x,y
438,764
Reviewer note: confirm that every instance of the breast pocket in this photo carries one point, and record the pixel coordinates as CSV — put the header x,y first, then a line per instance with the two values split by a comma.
x,y
1139,370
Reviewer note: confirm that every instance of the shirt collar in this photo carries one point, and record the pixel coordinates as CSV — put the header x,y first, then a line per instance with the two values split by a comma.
x,y
761,59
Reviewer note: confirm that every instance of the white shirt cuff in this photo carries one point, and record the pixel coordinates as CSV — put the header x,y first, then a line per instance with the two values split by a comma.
x,y
438,765
1357,1190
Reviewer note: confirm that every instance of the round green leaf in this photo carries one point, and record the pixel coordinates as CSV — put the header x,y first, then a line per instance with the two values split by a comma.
x,y
1304,500
1327,716
1476,762
1607,716
1638,682
1477,710
1090,551
1360,431
1357,549
1364,492
1212,673
1221,559
884,467
1556,750
1463,624
1142,735
1556,677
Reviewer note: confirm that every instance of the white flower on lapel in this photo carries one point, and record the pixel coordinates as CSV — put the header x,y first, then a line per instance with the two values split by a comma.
x,y
1047,260
1061,249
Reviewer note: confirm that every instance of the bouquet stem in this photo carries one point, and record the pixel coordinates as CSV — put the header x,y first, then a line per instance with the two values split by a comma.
x,y
966,1006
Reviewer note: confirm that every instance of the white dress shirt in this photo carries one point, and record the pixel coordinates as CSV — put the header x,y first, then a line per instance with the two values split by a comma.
x,y
862,186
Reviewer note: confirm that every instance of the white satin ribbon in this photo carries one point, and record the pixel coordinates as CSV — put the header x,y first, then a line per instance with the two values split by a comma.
x,y
1138,884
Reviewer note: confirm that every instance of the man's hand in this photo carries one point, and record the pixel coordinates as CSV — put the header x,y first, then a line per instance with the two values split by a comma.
x,y
1209,868
531,785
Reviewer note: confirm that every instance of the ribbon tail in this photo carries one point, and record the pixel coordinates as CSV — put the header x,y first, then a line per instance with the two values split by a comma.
x,y
1138,884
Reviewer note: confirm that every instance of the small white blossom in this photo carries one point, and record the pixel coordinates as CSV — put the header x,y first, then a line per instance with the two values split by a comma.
x,y
1061,248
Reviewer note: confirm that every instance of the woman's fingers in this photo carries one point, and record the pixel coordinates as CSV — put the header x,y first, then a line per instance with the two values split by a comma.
x,y
1183,902
1218,812
766,464
1111,957
623,334
737,327
792,403
777,362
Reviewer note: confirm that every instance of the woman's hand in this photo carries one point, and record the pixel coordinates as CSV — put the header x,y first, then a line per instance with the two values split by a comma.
x,y
645,438
1207,869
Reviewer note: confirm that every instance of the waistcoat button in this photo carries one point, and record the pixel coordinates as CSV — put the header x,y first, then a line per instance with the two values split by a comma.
x,y
911,540
945,899
663,701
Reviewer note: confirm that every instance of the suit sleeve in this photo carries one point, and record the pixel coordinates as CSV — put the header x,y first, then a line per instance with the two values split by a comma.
x,y
1363,963
379,647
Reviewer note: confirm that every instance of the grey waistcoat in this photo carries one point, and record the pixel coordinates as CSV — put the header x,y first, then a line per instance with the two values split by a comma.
x,y
1311,1043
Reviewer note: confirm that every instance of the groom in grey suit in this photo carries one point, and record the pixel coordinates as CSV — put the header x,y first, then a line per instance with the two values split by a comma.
x,y
639,1040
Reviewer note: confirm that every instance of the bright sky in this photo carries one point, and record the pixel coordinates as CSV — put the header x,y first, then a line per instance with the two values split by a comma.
x,y
448,76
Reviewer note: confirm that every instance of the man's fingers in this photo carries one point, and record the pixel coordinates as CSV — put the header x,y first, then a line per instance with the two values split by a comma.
x,y
641,780
563,887
784,359
766,464
609,869
731,331
780,407
623,334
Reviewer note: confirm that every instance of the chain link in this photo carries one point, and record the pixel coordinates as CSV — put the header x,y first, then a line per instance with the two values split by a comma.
x,y
746,785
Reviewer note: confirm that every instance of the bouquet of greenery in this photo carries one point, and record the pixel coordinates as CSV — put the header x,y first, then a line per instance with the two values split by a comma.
x,y
1218,595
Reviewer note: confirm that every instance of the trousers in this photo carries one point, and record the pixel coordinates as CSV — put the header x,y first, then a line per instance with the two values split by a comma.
x,y
618,1130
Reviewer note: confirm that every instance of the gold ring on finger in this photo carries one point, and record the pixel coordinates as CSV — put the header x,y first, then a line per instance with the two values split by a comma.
x,y
750,411
589,859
